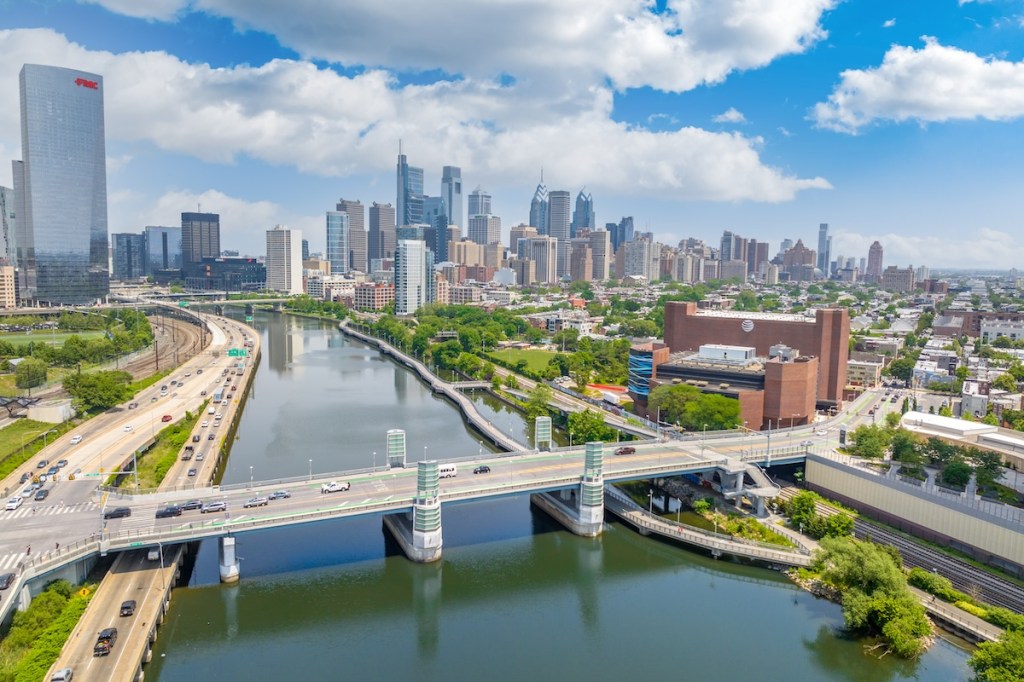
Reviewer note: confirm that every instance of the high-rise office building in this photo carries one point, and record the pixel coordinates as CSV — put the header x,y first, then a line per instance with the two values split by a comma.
x,y
382,231
484,229
357,237
543,251
163,248
338,248
516,234
410,275
61,187
601,248
479,202
558,226
874,268
581,260
129,256
638,259
824,249
583,217
435,217
200,237
451,192
409,207
8,225
539,207
305,249
621,232
284,260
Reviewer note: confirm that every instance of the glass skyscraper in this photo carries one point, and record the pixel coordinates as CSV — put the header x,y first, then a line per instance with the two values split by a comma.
x,y
62,180
163,248
410,192
338,241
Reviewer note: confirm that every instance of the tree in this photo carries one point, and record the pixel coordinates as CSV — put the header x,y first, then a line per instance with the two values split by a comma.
x,y
1006,382
869,441
906,448
902,369
957,473
30,373
999,661
98,390
685,405
802,508
537,405
587,426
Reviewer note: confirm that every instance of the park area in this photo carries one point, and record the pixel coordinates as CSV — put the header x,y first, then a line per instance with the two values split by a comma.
x,y
536,359
51,338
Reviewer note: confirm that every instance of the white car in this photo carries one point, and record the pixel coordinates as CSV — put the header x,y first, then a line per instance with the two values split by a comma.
x,y
335,487
75,440
127,427
14,503
219,416
205,424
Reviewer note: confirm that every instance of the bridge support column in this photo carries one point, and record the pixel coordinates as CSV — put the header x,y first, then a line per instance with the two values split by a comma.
x,y
586,516
738,488
229,571
420,536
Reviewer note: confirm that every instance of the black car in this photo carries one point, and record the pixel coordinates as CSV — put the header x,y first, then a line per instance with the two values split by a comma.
x,y
117,513
482,469
25,476
5,580
43,463
191,504
128,607
42,494
168,512
210,437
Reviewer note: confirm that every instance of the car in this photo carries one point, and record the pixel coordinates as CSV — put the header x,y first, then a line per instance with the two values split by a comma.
x,y
210,437
199,371
153,399
196,438
28,491
117,513
335,487
626,450
105,642
218,416
214,507
14,503
201,456
188,374
279,495
127,428
163,394
224,402
202,393
821,432
256,502
191,504
128,607
205,423
62,675
61,463
164,387
53,470
168,512
216,423
166,418
132,405
482,469
41,494
230,396
42,464
76,439
192,472
25,476
6,579
234,388
42,478
806,443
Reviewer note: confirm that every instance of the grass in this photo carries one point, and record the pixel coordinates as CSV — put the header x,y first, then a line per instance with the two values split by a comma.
x,y
157,461
536,360
25,432
57,338
8,387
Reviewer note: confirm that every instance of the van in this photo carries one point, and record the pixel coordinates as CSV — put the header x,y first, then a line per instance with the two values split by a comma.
x,y
447,471
211,410
153,554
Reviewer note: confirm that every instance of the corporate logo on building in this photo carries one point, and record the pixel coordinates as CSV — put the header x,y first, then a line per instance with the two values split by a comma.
x,y
84,83
747,326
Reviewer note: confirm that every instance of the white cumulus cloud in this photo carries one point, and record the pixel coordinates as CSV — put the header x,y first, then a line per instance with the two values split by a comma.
x,y
931,84
889,23
163,10
730,115
980,247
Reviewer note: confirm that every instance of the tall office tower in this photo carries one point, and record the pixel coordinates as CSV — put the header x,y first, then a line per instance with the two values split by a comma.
x,y
725,248
479,202
8,225
583,217
409,206
410,275
284,260
558,226
784,246
163,248
200,237
601,248
382,231
520,232
874,269
581,260
539,207
621,232
61,183
484,229
129,256
757,256
338,248
451,192
543,251
638,259
305,249
824,249
435,216
357,238
863,265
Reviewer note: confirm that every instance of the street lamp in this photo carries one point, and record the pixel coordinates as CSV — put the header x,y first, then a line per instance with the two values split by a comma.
x,y
374,460
704,440
250,476
311,471
650,501
45,435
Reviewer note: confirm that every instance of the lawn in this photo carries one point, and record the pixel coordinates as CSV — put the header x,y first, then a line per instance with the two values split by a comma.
x,y
536,360
18,434
52,338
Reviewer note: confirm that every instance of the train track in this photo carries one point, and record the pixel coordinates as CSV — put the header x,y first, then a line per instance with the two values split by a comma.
x,y
983,585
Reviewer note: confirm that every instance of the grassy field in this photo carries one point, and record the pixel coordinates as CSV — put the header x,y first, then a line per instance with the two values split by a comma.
x,y
55,338
8,387
18,434
536,360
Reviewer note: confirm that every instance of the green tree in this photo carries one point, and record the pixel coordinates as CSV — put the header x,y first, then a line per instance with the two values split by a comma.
x,y
802,508
838,525
957,473
537,404
905,447
869,440
999,661
1006,382
902,369
587,426
30,373
98,390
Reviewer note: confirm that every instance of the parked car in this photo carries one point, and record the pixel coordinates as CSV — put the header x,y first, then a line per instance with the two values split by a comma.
x,y
105,642
167,512
128,607
214,507
76,439
626,450
117,512
166,418
14,503
482,469
256,502
279,495
62,675
191,504
6,579
335,487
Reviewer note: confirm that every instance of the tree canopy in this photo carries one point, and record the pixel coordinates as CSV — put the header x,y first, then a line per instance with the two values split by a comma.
x,y
98,390
685,405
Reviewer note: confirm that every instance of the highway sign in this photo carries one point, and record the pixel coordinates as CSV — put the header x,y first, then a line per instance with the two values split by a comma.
x,y
236,352
182,304
248,318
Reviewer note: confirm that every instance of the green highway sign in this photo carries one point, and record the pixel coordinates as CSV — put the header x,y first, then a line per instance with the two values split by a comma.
x,y
236,352
248,318
182,304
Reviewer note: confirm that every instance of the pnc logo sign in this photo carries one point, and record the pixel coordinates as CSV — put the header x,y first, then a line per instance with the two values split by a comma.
x,y
83,83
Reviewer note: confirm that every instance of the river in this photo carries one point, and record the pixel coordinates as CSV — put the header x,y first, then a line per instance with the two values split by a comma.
x,y
515,597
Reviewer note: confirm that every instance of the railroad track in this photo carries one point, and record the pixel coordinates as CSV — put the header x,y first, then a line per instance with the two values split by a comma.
x,y
983,585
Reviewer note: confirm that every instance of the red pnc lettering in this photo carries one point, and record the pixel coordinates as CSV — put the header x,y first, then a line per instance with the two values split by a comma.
x,y
92,85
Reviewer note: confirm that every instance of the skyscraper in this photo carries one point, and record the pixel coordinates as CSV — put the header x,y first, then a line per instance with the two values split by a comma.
x,y
824,249
543,251
163,248
601,248
410,192
382,231
484,229
435,216
451,192
8,225
621,232
284,260
539,207
558,226
874,271
583,217
479,202
410,275
357,239
305,249
61,183
129,256
200,237
338,248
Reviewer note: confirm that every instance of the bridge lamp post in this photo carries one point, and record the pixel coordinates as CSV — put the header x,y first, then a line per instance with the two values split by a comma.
x,y
374,460
250,476
311,471
650,501
704,440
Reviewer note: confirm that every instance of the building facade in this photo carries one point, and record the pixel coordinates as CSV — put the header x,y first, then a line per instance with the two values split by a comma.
x,y
129,256
874,267
338,248
410,276
409,206
484,229
200,237
451,192
382,231
163,248
284,260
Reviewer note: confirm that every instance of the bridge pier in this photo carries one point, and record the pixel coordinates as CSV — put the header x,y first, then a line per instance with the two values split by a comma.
x,y
419,534
229,570
580,511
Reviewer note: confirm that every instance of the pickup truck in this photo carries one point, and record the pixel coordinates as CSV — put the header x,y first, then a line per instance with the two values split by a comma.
x,y
187,455
105,642
335,487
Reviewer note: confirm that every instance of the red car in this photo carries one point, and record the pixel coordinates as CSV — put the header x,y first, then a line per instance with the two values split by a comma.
x,y
165,418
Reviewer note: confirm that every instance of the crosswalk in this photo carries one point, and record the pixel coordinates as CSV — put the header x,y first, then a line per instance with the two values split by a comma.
x,y
30,509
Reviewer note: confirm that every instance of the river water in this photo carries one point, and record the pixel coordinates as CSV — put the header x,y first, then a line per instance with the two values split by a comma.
x,y
515,597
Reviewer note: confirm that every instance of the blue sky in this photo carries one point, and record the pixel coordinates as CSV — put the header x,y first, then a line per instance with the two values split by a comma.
x,y
898,121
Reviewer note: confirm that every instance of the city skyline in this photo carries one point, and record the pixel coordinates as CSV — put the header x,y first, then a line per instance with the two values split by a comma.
x,y
701,118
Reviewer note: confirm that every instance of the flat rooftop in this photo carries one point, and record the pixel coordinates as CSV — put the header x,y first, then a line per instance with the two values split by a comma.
x,y
744,315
